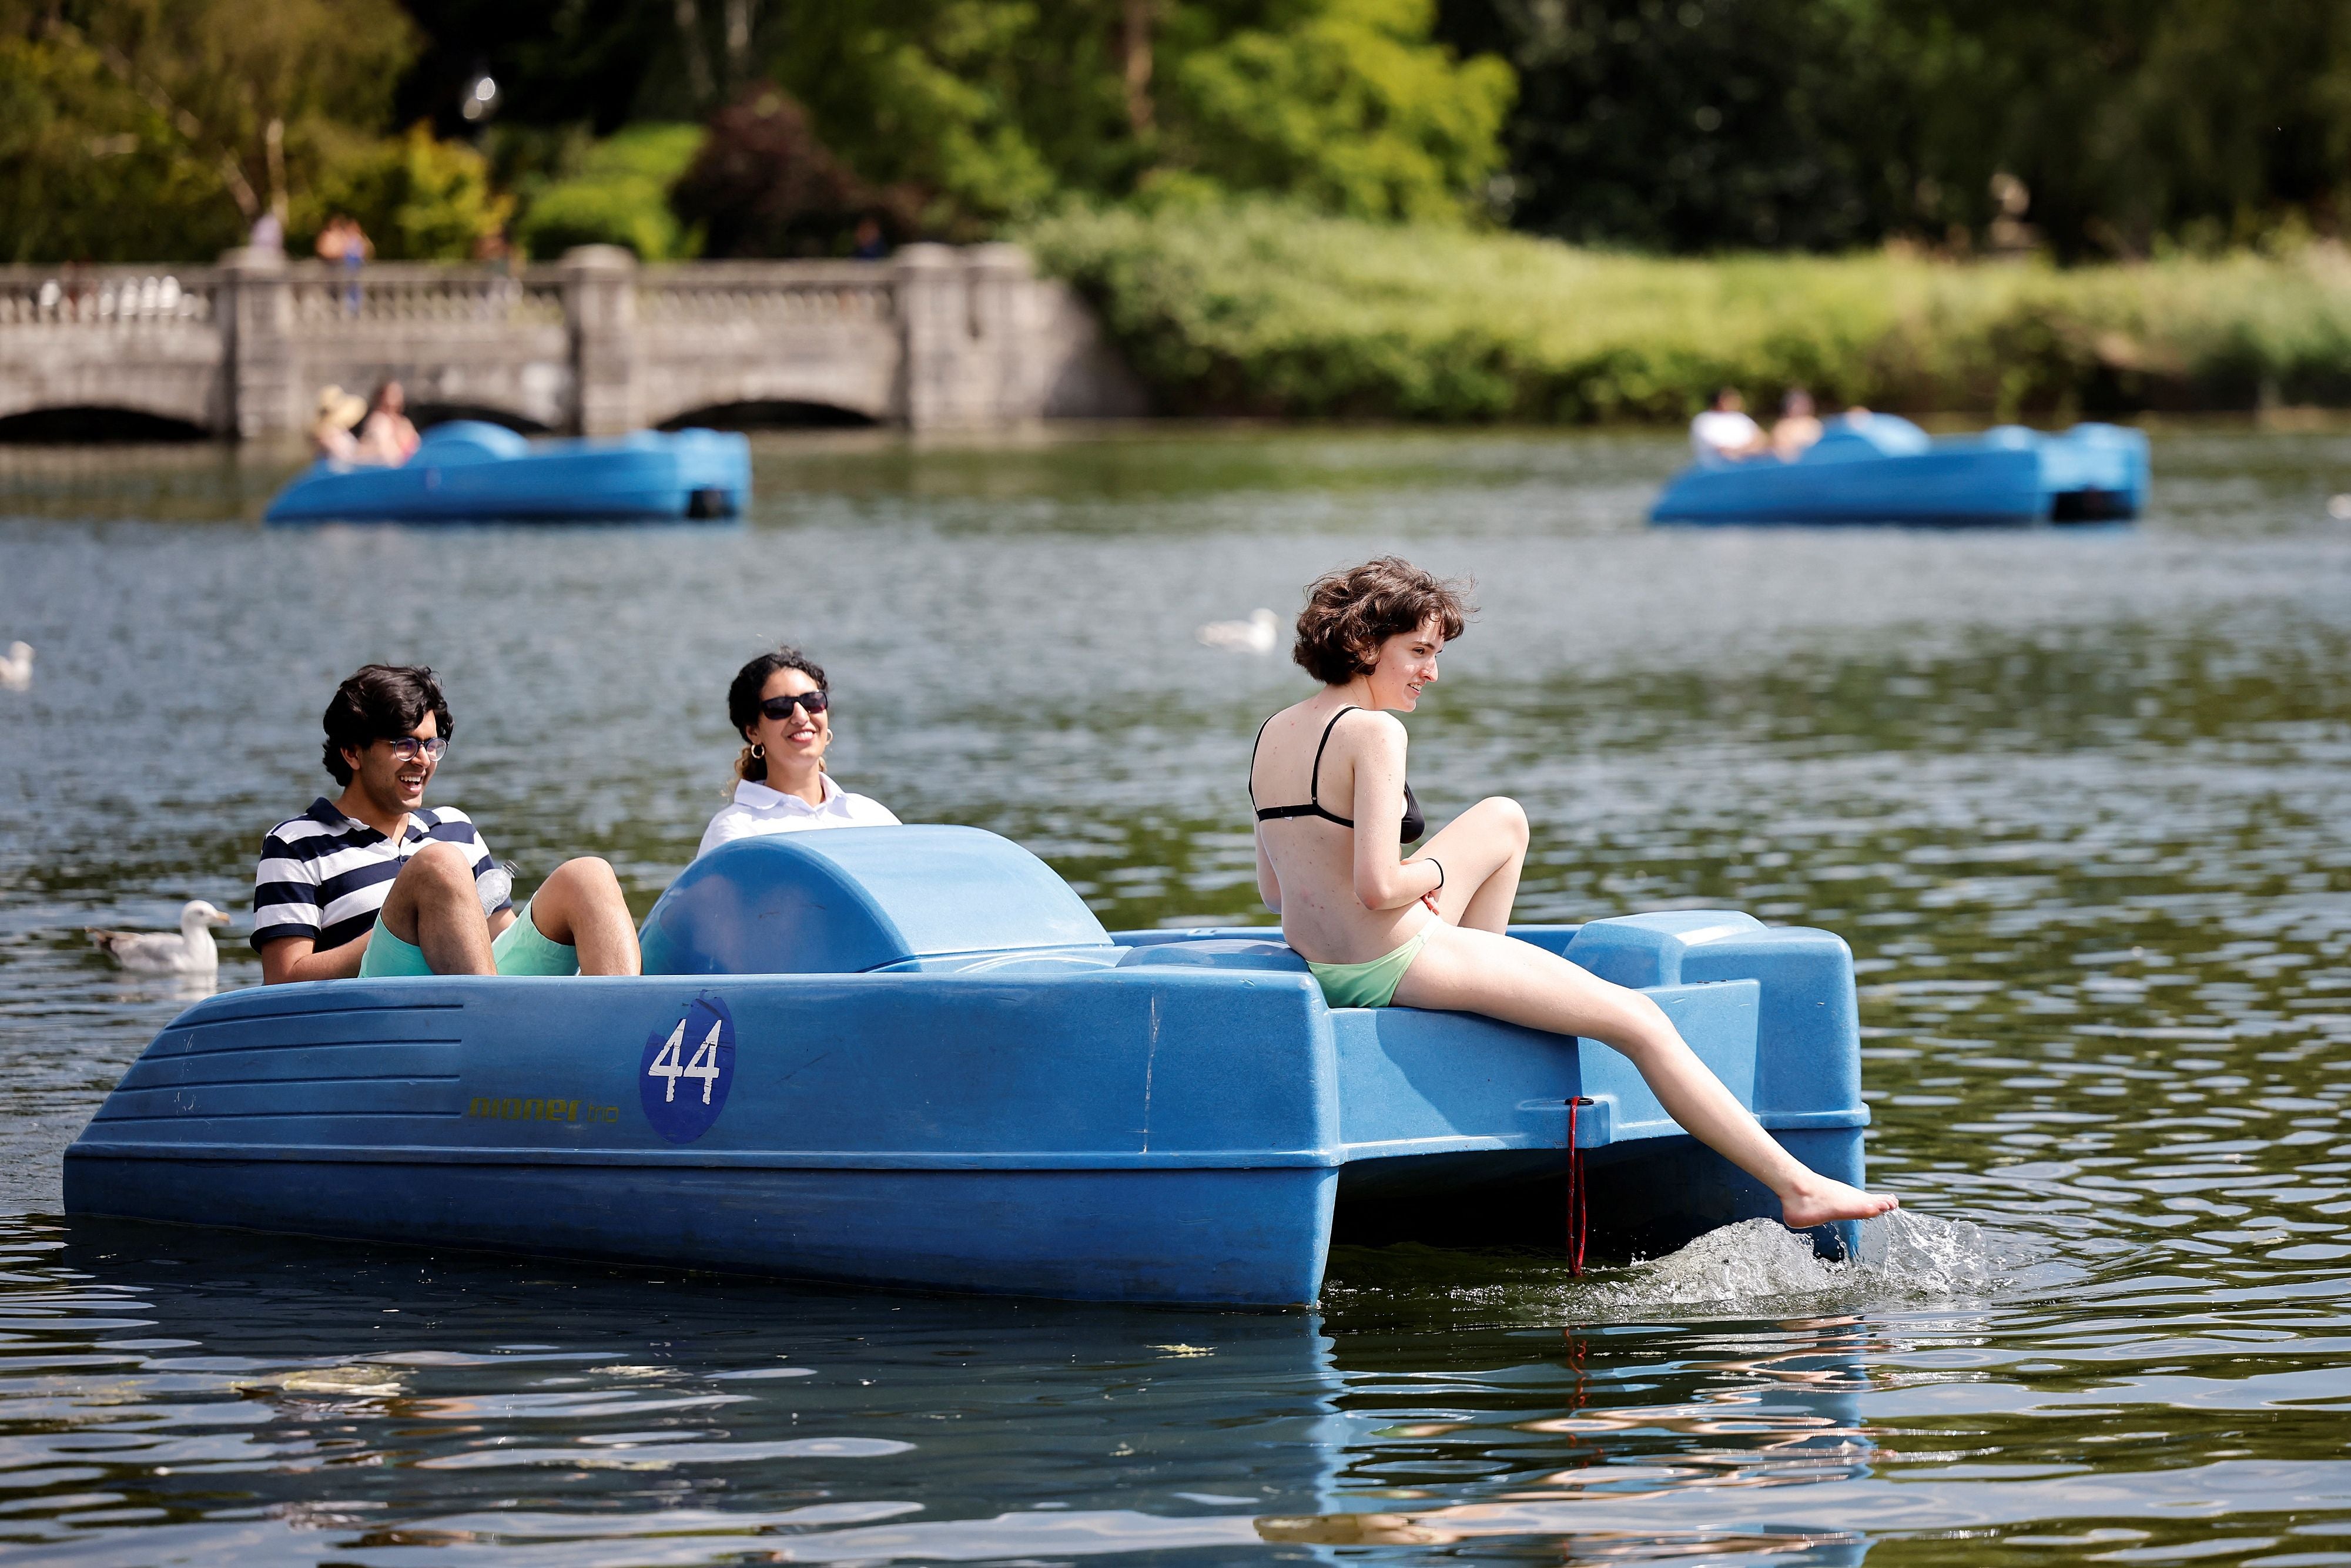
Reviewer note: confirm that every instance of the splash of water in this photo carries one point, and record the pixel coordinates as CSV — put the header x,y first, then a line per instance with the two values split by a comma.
x,y
1905,1253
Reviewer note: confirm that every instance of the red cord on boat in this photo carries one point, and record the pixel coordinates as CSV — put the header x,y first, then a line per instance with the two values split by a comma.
x,y
1578,1221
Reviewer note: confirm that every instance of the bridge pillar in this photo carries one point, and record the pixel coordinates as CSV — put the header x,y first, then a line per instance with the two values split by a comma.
x,y
256,308
932,325
599,306
1002,279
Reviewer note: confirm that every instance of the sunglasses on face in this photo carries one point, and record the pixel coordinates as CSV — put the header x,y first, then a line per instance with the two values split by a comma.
x,y
408,748
781,708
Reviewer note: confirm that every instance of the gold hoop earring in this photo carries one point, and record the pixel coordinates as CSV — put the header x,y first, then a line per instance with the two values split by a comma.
x,y
758,751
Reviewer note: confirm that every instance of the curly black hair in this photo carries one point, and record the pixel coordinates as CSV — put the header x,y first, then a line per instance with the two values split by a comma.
x,y
381,702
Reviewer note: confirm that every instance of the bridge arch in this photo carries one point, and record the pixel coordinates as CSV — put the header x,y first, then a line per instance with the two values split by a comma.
x,y
774,413
94,424
852,392
426,413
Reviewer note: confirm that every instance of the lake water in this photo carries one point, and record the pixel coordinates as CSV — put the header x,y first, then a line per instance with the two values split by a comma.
x,y
2080,801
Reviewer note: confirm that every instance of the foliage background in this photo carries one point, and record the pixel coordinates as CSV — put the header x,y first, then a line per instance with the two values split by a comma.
x,y
1322,206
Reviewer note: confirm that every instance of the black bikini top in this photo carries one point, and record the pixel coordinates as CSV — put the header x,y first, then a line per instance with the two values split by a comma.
x,y
1414,825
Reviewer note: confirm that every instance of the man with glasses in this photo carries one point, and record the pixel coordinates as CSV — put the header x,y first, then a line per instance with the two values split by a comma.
x,y
372,883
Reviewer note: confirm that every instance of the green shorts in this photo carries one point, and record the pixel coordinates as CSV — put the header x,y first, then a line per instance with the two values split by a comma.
x,y
520,949
1372,984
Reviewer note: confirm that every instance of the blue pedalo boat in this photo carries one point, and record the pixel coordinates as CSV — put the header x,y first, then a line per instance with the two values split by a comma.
x,y
1885,469
912,1057
468,471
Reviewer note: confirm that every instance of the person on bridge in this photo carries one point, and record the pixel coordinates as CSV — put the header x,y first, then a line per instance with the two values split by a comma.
x,y
372,884
1379,930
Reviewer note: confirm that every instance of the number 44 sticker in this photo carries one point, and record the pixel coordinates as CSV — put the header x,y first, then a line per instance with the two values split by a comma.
x,y
704,1066
700,1050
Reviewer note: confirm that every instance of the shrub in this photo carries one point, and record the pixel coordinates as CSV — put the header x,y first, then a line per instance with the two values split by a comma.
x,y
617,194
1266,309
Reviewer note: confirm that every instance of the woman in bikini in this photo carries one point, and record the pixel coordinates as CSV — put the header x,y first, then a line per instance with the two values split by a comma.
x,y
1377,929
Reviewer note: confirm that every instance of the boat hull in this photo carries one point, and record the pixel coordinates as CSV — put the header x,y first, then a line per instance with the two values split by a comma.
x,y
1889,472
473,475
1152,1133
978,1090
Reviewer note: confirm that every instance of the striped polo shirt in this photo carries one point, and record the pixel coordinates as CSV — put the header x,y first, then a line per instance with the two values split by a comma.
x,y
324,876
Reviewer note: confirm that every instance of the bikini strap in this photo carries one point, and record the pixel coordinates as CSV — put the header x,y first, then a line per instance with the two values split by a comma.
x,y
1314,780
1252,767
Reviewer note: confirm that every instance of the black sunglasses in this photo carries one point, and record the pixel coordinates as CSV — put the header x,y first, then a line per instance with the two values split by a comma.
x,y
781,708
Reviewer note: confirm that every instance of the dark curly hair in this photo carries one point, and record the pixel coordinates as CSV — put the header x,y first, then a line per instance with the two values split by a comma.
x,y
742,700
381,702
1349,613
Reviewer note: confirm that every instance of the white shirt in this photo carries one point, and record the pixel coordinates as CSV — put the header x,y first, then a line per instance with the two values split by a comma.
x,y
757,809
1717,432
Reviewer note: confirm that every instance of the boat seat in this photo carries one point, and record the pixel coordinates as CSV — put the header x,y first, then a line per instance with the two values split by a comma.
x,y
853,900
462,441
1848,440
1216,953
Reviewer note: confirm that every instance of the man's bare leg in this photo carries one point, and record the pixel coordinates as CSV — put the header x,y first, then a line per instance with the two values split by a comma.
x,y
581,905
433,907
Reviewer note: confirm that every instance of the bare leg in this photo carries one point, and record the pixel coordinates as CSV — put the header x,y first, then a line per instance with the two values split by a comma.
x,y
1482,851
581,905
432,905
1475,971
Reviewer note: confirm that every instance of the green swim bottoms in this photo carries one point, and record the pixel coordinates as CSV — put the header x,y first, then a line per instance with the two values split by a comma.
x,y
520,949
1372,984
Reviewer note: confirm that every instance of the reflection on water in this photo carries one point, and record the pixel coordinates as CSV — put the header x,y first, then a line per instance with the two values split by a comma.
x,y
2078,802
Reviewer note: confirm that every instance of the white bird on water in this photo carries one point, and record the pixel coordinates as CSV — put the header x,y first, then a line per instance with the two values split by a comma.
x,y
159,953
1254,635
17,669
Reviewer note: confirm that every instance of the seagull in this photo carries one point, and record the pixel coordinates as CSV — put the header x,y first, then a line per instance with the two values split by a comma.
x,y
155,953
17,669
1254,635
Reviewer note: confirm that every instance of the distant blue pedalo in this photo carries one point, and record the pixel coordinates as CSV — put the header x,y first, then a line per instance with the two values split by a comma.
x,y
470,471
1885,469
912,1057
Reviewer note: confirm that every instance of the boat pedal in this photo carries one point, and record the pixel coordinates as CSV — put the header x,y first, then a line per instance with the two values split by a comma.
x,y
710,501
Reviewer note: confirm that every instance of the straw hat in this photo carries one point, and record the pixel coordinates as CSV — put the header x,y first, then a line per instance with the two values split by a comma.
x,y
337,409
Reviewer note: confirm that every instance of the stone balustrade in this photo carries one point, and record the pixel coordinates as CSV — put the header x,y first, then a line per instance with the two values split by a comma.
x,y
932,339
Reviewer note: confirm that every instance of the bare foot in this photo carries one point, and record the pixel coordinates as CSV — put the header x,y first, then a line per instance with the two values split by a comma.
x,y
1821,1200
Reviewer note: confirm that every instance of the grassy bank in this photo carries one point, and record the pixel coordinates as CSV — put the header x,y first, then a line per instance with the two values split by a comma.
x,y
1265,310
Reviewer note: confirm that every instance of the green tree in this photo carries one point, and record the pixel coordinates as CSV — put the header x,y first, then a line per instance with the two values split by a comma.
x,y
88,171
168,127
993,107
2116,125
1345,104
998,108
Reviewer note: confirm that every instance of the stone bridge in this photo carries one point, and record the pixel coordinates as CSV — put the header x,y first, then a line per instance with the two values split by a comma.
x,y
932,339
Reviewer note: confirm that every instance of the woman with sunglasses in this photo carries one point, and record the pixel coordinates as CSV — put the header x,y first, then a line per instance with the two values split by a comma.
x,y
1380,927
780,704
